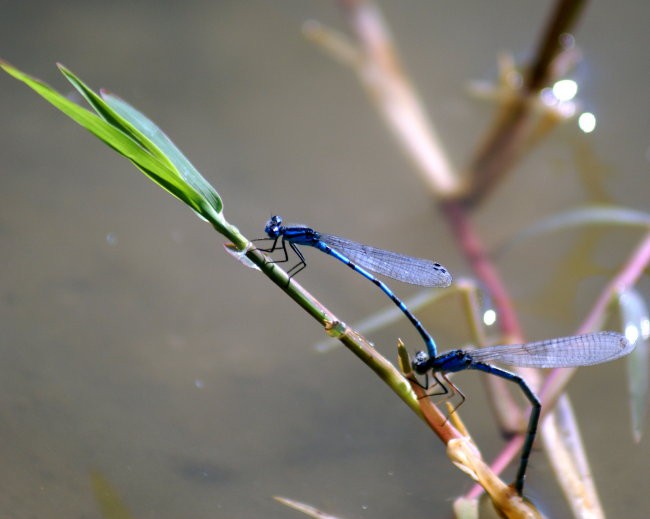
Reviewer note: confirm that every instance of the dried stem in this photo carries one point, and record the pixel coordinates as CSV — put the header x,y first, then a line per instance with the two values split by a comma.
x,y
559,378
474,251
564,17
561,437
516,123
476,254
377,64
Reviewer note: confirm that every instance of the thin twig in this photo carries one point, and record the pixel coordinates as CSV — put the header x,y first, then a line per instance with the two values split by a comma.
x,y
476,254
556,382
357,344
516,122
513,132
561,22
469,242
379,69
380,51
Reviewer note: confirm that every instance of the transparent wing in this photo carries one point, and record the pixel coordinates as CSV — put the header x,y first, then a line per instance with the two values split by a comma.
x,y
416,271
563,352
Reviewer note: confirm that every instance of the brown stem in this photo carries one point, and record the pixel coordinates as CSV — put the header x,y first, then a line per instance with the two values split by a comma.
x,y
561,21
516,122
475,252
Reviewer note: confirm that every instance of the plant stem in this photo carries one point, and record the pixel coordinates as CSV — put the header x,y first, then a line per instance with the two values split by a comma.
x,y
358,345
507,141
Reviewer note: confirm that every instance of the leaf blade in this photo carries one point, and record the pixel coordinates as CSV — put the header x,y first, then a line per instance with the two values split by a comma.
x,y
636,319
583,216
115,133
166,146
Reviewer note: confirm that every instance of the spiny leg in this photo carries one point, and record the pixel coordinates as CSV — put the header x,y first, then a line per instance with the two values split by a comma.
x,y
428,386
449,390
298,266
283,247
454,390
437,383
273,248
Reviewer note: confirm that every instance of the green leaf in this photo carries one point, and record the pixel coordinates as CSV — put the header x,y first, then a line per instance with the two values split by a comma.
x,y
166,146
589,215
124,137
103,110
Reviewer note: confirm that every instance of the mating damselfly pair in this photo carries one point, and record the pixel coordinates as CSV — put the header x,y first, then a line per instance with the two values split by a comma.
x,y
573,351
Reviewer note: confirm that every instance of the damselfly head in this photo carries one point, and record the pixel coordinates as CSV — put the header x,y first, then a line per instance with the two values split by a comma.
x,y
420,363
273,226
